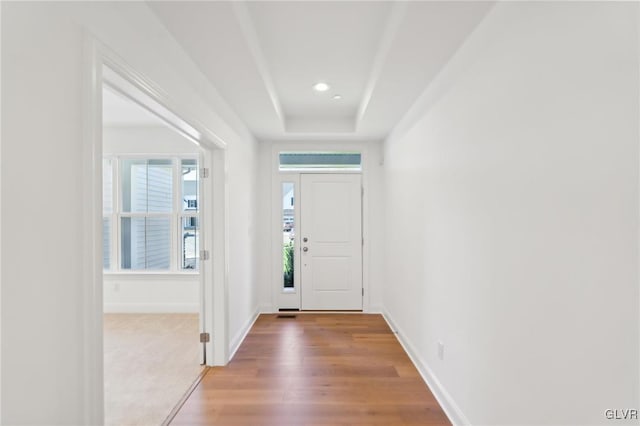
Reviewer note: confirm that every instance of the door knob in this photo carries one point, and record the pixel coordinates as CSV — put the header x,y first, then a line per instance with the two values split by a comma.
x,y
305,249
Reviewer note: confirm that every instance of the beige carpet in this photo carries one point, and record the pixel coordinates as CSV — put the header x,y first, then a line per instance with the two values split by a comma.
x,y
150,361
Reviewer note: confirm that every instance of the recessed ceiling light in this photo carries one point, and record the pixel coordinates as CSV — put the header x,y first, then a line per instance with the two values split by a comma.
x,y
321,87
337,97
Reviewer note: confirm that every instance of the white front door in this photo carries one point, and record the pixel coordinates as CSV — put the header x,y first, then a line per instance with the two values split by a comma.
x,y
331,242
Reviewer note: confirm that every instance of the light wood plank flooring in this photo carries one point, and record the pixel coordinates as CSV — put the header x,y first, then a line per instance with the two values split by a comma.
x,y
315,369
150,361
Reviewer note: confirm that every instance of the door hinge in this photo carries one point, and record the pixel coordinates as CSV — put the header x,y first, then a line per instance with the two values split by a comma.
x,y
204,173
362,190
363,291
362,240
204,254
204,337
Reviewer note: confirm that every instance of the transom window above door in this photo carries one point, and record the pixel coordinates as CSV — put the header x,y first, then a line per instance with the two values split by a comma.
x,y
342,161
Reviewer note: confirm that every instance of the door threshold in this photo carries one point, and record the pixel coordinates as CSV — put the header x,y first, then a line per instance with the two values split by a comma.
x,y
174,412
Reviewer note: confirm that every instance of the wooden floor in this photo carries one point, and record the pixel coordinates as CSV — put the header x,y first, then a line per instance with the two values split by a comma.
x,y
315,369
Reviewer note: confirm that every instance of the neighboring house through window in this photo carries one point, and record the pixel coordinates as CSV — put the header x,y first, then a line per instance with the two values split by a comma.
x,y
150,219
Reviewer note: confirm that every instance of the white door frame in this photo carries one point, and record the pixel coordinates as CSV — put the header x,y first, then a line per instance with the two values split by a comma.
x,y
102,63
277,177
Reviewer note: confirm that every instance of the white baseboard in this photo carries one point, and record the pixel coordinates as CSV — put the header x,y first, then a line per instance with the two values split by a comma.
x,y
151,308
237,340
451,409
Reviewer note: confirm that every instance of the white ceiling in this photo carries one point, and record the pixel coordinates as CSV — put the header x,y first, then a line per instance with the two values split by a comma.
x,y
264,57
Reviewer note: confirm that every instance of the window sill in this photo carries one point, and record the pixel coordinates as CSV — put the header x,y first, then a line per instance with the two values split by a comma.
x,y
169,276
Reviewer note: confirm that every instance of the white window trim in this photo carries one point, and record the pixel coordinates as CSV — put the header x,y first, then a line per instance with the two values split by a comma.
x,y
175,216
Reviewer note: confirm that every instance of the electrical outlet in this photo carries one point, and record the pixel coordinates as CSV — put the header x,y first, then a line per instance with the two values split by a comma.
x,y
440,350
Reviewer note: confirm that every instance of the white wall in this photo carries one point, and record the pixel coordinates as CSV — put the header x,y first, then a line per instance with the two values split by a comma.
x,y
145,140
512,218
41,296
43,289
373,220
151,294
0,220
243,253
263,244
142,293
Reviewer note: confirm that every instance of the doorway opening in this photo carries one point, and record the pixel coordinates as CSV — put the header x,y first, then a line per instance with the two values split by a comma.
x,y
153,298
318,232
144,240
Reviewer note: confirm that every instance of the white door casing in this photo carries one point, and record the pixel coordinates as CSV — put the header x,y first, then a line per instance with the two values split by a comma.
x,y
331,221
202,243
102,65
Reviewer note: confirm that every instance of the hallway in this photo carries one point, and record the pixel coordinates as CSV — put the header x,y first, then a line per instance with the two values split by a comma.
x,y
467,172
315,369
